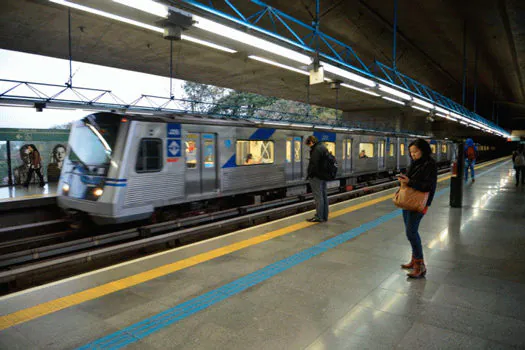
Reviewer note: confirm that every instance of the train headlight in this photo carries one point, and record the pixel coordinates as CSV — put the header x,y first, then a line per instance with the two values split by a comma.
x,y
65,188
97,192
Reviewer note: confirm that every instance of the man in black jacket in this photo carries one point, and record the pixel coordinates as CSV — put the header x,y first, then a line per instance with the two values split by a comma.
x,y
316,176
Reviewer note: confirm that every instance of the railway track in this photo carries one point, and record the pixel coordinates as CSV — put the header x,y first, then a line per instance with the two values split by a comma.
x,y
29,261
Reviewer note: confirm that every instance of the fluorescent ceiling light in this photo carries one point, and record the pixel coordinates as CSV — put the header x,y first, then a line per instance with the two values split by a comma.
x,y
322,127
276,123
237,35
462,122
277,64
348,75
441,115
139,5
423,103
442,110
450,118
394,100
359,89
421,109
302,125
147,6
108,15
340,129
206,43
394,92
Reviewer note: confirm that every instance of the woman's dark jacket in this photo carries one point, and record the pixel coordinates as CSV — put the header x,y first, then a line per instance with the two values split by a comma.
x,y
423,176
316,155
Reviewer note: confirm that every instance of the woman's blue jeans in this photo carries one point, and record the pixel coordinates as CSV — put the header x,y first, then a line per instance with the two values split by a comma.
x,y
412,220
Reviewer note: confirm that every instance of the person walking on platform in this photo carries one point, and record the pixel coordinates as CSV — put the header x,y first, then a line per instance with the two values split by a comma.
x,y
471,153
315,175
518,159
36,166
421,176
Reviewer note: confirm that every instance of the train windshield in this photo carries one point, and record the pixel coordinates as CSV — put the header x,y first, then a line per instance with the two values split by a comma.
x,y
92,140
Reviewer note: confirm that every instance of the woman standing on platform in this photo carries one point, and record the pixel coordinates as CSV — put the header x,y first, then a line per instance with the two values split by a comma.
x,y
421,176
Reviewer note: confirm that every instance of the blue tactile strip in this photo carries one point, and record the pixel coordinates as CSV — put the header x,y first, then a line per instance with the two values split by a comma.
x,y
152,324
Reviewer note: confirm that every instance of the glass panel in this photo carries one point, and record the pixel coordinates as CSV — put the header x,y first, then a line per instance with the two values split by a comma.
x,y
149,157
288,150
366,150
191,150
391,150
402,149
91,141
330,146
209,150
381,149
4,175
255,152
433,148
297,150
443,148
348,149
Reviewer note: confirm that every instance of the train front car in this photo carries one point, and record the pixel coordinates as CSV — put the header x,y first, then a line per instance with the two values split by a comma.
x,y
90,178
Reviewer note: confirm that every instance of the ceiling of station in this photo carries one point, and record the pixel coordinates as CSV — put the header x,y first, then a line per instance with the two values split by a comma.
x,y
430,48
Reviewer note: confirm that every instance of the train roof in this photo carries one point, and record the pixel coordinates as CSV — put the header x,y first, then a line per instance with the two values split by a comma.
x,y
207,119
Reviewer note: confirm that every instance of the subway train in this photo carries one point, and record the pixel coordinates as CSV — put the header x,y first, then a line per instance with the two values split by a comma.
x,y
121,168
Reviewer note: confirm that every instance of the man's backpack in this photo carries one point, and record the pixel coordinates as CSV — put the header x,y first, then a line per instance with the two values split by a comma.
x,y
471,153
519,160
329,166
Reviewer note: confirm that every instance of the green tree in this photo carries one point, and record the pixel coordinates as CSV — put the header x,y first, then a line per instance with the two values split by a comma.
x,y
202,97
242,103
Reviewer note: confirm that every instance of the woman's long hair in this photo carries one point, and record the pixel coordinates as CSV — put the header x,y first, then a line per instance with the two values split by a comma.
x,y
423,145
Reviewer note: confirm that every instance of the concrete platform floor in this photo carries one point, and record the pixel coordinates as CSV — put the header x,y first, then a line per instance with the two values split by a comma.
x,y
296,285
14,193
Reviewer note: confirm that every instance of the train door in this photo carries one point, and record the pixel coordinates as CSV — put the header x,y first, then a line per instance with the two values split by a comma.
x,y
294,160
347,156
381,154
201,167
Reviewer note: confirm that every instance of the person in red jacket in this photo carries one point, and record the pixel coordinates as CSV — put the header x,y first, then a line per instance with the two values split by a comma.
x,y
35,166
471,153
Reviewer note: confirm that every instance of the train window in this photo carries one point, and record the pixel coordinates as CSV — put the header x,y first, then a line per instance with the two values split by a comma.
x,y
330,146
443,148
433,148
391,150
209,149
149,158
192,150
347,149
402,149
297,149
366,150
381,149
289,151
255,152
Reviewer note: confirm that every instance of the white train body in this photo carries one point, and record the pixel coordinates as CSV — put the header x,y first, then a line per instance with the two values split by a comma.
x,y
122,168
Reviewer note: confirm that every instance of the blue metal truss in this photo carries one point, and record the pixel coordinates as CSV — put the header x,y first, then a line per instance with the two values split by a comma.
x,y
309,39
50,95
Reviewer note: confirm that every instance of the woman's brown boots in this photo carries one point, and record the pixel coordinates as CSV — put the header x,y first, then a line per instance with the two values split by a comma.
x,y
409,265
419,269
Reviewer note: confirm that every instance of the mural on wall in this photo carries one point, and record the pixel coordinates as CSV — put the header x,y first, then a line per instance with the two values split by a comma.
x,y
35,155
57,159
30,164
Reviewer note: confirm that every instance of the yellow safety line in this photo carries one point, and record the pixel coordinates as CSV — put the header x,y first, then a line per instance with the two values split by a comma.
x,y
49,307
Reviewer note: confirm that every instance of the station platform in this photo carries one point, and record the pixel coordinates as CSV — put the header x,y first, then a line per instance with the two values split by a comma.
x,y
291,284
15,197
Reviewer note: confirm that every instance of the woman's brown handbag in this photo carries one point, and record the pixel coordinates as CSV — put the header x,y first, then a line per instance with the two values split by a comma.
x,y
410,199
